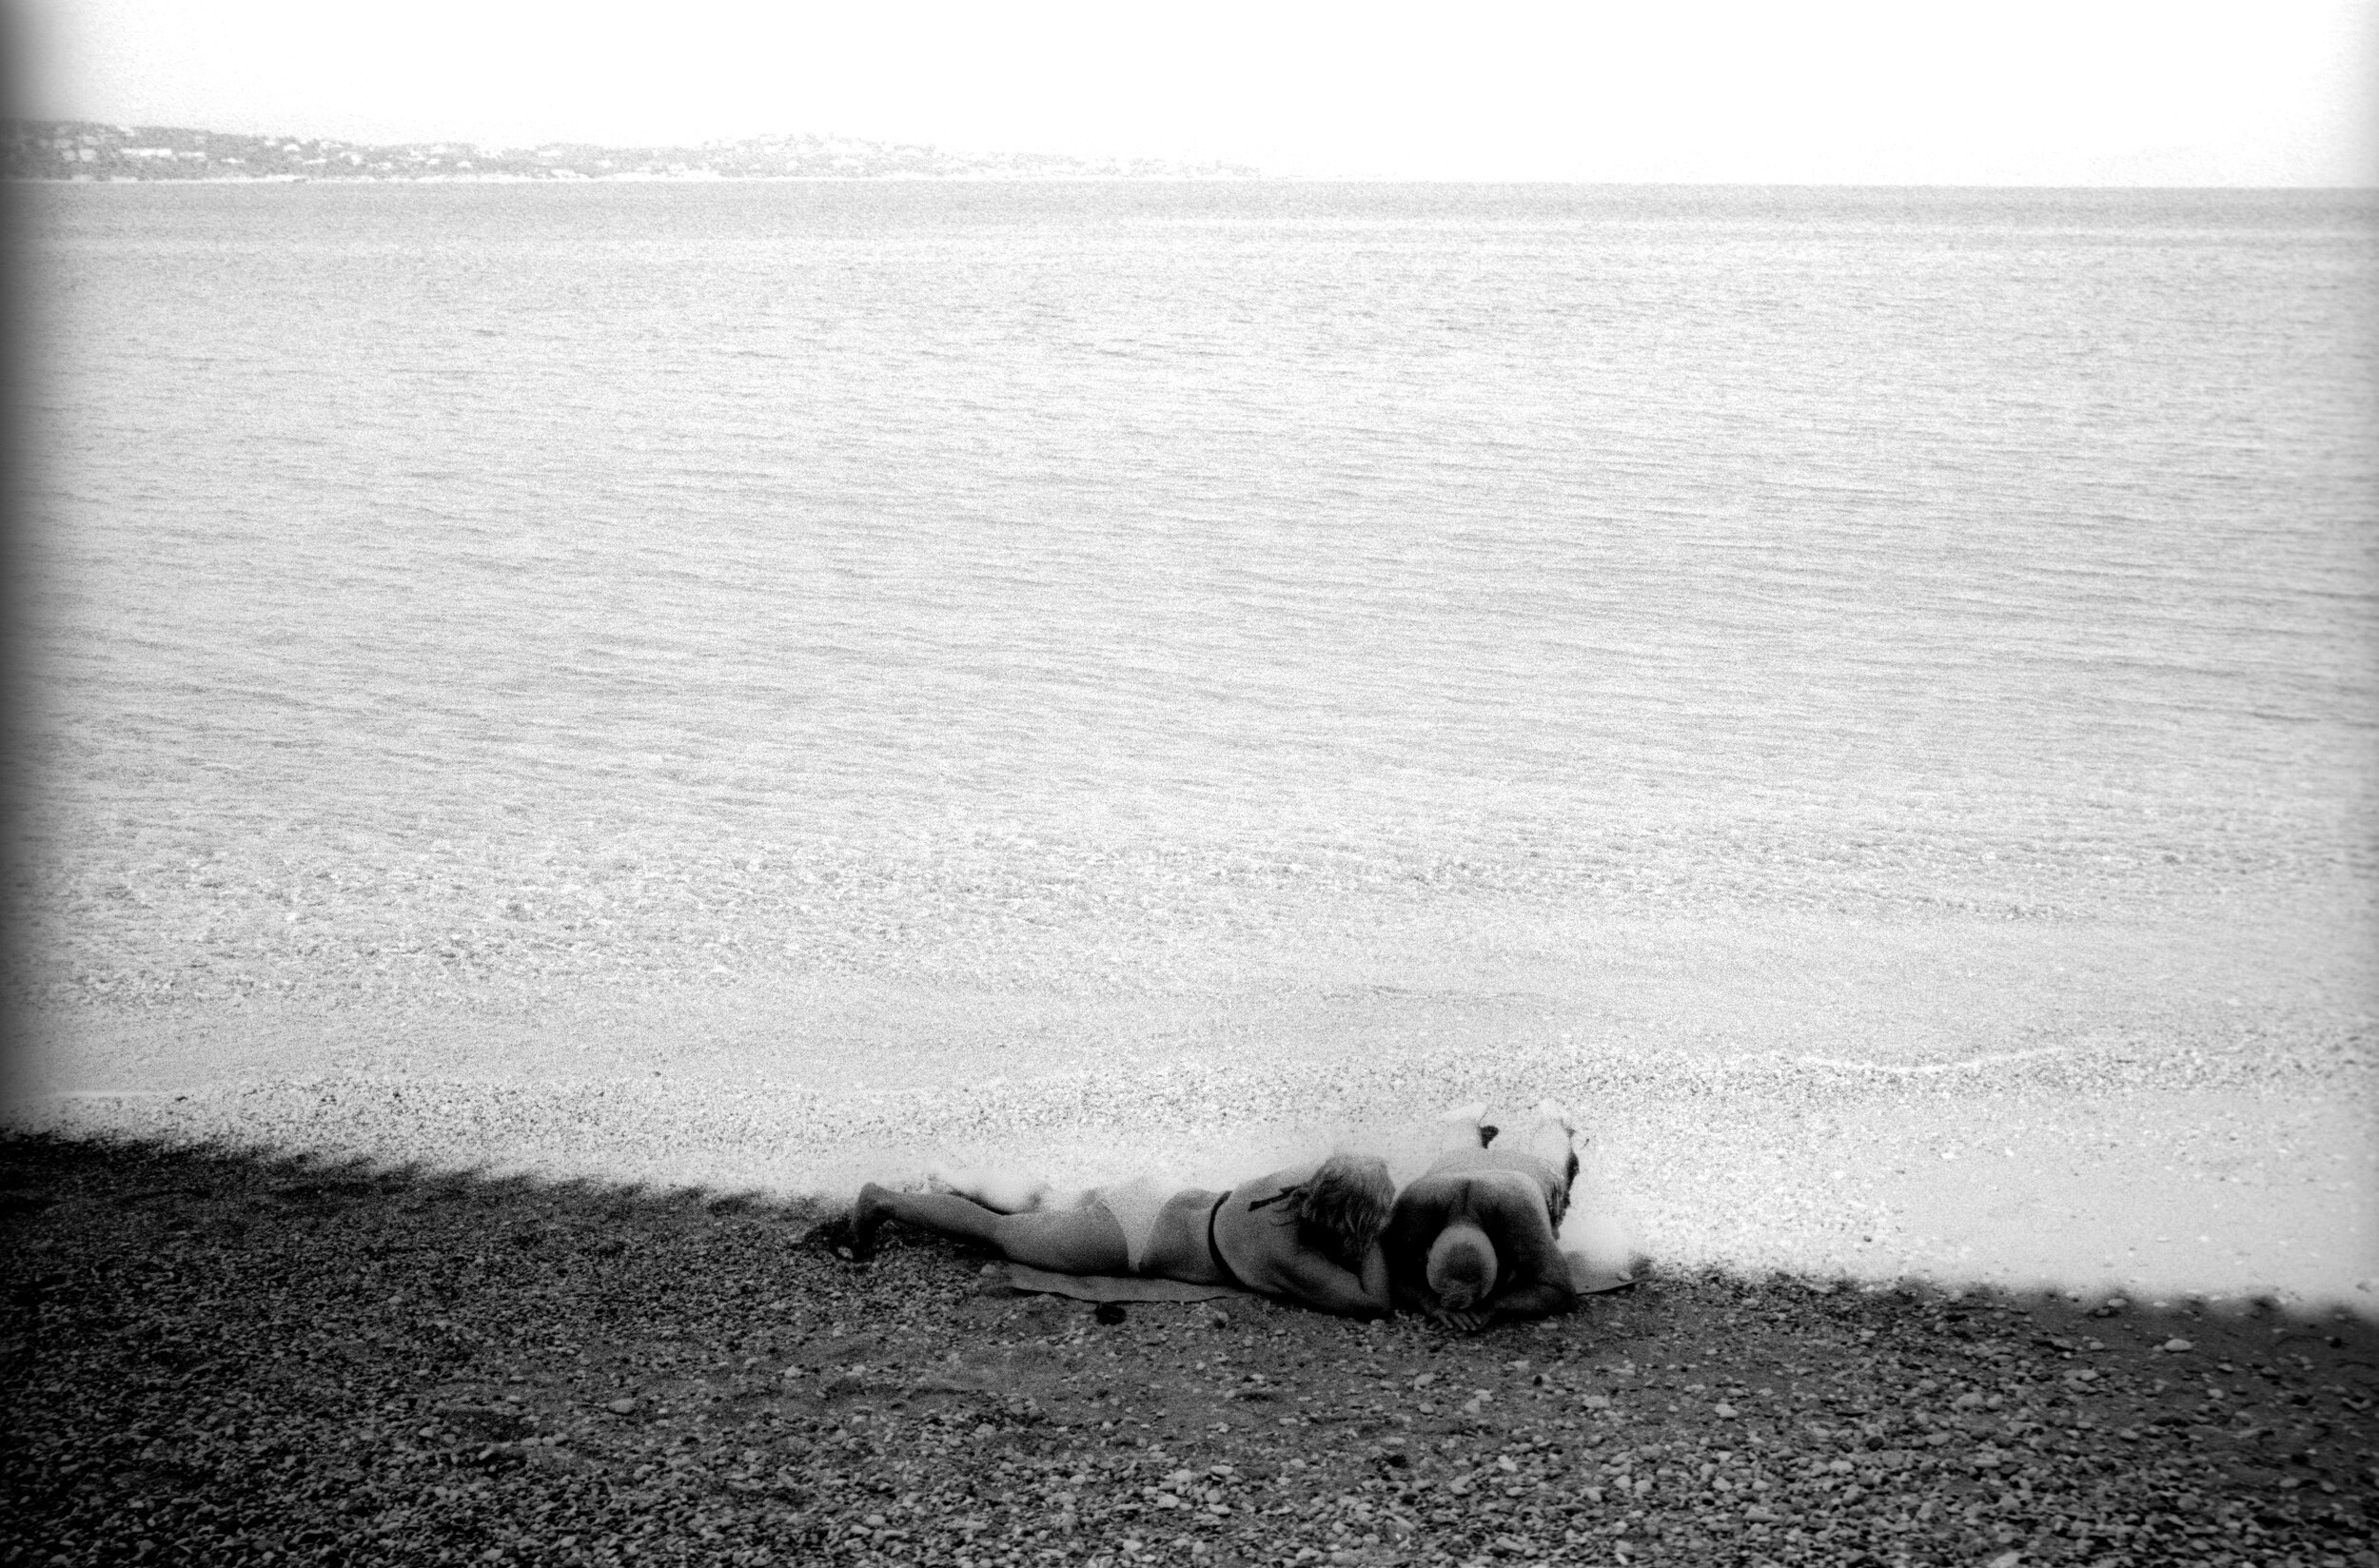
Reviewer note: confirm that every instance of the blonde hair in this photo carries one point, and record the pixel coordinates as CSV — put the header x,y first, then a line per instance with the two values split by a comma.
x,y
1342,1209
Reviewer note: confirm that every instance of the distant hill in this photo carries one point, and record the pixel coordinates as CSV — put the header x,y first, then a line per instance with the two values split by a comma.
x,y
82,149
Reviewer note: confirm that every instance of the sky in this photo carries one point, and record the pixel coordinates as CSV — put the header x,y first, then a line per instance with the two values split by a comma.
x,y
2271,93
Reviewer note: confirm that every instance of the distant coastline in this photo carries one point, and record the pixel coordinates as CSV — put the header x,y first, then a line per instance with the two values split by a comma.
x,y
89,150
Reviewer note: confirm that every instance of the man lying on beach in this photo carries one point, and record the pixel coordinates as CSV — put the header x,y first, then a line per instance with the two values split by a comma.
x,y
1310,1233
1473,1239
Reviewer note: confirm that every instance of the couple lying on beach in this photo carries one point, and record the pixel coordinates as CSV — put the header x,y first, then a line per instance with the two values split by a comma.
x,y
1468,1242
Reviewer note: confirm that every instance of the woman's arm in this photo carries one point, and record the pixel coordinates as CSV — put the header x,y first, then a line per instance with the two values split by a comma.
x,y
1320,1284
1375,1281
1422,1210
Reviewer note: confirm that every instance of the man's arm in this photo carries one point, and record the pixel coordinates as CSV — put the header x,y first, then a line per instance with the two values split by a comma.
x,y
1413,1296
1536,1280
1547,1300
1422,1210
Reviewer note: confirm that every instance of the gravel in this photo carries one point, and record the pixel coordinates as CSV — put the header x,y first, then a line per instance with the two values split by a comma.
x,y
218,1358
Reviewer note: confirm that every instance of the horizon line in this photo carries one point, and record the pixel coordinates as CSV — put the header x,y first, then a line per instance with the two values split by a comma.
x,y
1254,173
1606,183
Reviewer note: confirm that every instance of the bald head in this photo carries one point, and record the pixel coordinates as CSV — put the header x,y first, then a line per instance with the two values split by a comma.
x,y
1462,1266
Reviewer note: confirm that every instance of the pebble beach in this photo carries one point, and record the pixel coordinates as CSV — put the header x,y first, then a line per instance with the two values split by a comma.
x,y
2089,1308
215,1358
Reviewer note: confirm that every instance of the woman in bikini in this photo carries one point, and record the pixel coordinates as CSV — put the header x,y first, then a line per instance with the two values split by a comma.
x,y
1310,1233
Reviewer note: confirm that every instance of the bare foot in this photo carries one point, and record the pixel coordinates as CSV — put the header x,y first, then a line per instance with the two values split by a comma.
x,y
1465,1123
867,1217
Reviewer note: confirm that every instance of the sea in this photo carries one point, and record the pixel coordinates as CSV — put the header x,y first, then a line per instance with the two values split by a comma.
x,y
957,627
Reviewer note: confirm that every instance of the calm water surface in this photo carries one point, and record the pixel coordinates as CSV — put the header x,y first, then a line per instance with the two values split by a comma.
x,y
1862,622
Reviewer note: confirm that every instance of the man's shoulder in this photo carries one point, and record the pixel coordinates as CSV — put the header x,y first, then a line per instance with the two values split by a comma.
x,y
1471,1188
1433,1187
1508,1194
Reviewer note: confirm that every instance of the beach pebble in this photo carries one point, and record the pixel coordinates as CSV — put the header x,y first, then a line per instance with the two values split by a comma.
x,y
1898,1429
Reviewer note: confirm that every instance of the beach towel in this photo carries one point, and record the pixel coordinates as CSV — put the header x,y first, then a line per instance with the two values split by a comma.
x,y
1111,1288
1591,1279
1588,1279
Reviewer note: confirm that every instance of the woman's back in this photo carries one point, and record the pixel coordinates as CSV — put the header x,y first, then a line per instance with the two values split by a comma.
x,y
1309,1233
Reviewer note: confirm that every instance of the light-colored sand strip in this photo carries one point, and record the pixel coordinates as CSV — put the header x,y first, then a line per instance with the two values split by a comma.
x,y
1985,1175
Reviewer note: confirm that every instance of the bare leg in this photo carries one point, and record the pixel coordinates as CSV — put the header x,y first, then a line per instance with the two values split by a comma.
x,y
1002,1191
1074,1240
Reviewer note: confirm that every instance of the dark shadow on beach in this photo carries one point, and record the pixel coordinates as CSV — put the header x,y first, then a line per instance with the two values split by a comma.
x,y
225,1356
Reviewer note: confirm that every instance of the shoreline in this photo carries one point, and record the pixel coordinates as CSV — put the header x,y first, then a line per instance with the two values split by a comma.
x,y
2066,1170
701,179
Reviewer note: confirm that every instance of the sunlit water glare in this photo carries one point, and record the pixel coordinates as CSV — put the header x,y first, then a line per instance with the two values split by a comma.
x,y
909,623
